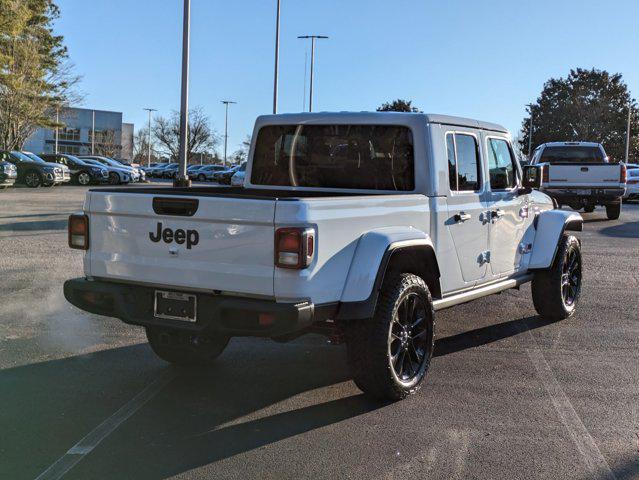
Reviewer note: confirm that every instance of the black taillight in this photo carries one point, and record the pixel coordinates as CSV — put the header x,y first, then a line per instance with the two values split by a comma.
x,y
79,231
294,247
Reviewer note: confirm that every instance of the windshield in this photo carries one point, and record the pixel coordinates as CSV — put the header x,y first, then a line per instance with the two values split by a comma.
x,y
77,160
34,157
372,157
92,162
21,156
572,154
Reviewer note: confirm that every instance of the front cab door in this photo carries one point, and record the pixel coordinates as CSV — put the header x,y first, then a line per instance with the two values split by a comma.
x,y
508,210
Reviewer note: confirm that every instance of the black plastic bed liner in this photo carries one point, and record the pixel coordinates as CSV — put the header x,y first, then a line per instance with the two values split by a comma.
x,y
237,192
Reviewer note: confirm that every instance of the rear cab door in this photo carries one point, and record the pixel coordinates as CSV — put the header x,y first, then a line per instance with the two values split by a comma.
x,y
466,202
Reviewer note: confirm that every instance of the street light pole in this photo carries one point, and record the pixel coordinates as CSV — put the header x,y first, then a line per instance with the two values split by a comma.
x,y
277,57
226,125
313,38
148,161
93,132
181,178
628,132
530,130
57,127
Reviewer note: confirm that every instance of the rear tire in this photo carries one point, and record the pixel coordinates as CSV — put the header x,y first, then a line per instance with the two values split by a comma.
x,y
556,291
184,348
389,355
201,177
613,211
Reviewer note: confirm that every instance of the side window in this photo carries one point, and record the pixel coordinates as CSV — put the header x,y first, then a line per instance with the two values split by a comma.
x,y
501,165
464,171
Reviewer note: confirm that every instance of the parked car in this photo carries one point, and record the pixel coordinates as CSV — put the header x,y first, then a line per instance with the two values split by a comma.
x,y
35,172
237,180
224,177
117,175
82,173
170,170
192,169
66,172
420,213
8,174
135,173
207,172
152,169
580,175
632,185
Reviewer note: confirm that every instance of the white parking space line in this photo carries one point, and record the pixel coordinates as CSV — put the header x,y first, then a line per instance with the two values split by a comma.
x,y
593,458
93,438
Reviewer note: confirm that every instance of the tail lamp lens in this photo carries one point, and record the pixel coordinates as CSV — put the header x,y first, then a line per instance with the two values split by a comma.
x,y
545,176
294,247
624,174
79,231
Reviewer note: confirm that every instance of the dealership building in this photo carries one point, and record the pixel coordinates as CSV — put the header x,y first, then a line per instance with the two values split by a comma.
x,y
84,132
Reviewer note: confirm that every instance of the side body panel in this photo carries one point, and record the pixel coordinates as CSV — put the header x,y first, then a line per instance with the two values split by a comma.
x,y
341,224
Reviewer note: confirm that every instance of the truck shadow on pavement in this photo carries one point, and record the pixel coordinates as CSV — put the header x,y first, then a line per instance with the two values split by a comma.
x,y
258,393
624,230
34,225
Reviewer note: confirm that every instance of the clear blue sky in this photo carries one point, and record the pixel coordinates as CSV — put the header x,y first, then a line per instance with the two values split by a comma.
x,y
480,59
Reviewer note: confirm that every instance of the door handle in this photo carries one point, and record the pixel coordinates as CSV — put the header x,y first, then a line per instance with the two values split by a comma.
x,y
462,217
497,213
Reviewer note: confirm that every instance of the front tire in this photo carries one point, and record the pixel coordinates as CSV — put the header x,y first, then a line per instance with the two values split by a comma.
x,y
201,177
184,348
556,291
33,179
589,208
389,354
613,211
114,178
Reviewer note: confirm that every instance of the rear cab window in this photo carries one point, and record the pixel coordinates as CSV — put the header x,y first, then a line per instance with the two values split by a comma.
x,y
572,154
464,165
339,156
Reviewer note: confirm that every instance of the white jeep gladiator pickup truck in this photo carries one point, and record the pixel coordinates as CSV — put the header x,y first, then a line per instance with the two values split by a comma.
x,y
580,175
356,225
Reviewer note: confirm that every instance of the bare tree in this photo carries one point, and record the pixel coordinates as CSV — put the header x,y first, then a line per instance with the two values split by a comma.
x,y
241,154
202,138
107,144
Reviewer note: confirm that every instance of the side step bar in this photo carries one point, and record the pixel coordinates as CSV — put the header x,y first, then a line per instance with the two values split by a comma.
x,y
458,298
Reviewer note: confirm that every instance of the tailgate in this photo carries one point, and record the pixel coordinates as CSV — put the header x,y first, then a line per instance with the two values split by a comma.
x,y
226,245
589,175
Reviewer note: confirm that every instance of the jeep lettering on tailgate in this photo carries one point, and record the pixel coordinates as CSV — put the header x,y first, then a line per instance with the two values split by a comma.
x,y
191,237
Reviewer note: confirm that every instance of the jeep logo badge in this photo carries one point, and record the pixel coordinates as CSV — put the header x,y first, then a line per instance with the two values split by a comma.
x,y
179,236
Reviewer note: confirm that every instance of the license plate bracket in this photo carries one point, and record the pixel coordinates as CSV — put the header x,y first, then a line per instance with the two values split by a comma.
x,y
175,306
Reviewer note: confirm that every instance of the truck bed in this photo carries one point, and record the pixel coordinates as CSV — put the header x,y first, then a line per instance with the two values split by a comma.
x,y
240,192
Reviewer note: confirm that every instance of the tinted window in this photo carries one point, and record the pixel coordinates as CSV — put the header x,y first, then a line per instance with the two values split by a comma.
x,y
463,162
572,154
501,165
374,157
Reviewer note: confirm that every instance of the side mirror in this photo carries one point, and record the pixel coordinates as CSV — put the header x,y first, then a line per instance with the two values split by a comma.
x,y
532,177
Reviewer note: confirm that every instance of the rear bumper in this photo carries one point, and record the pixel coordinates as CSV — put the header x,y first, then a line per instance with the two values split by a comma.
x,y
233,316
600,196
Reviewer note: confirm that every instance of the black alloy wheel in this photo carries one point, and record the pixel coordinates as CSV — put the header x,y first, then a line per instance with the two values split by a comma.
x,y
408,339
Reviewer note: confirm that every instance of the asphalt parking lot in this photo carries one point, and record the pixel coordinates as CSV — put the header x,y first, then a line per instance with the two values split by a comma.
x,y
508,396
